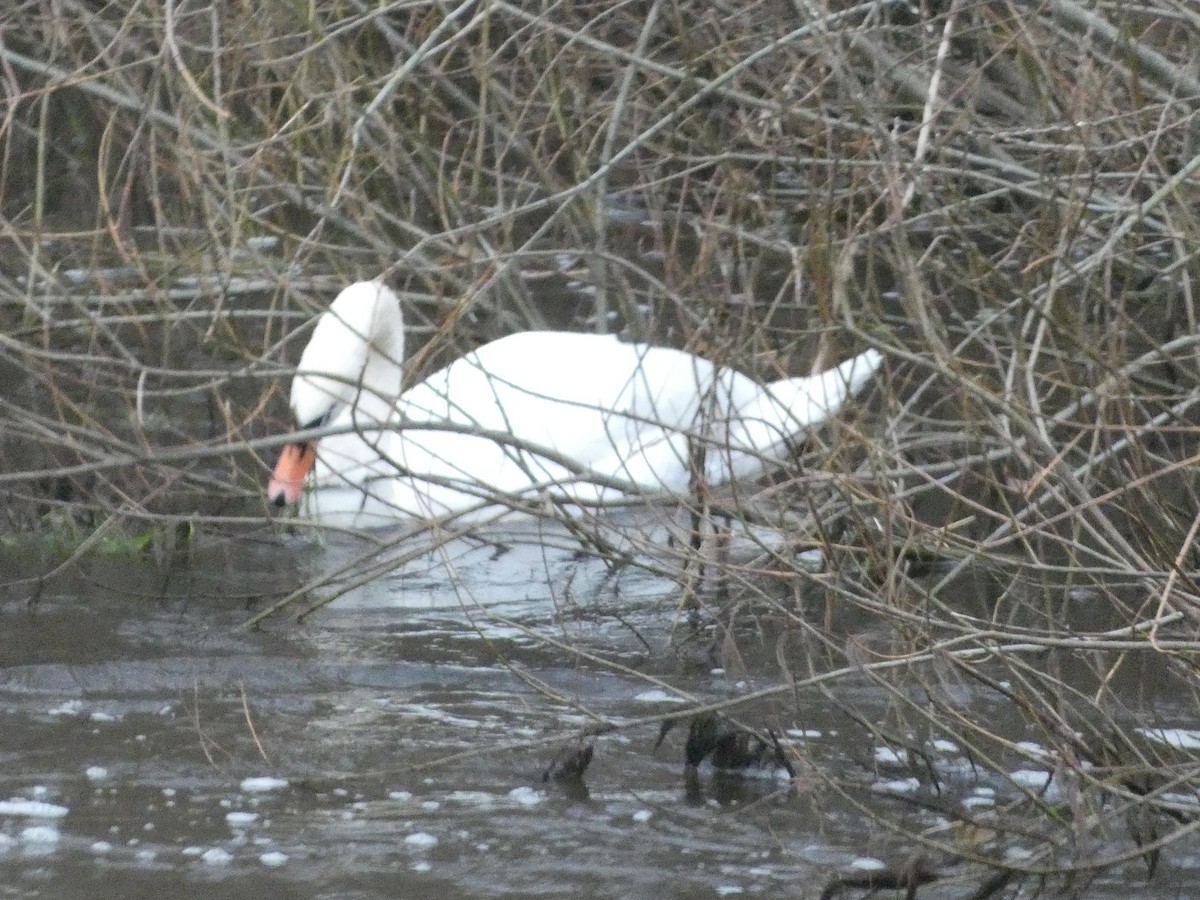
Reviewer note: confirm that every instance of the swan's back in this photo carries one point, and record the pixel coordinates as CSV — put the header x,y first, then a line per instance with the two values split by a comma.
x,y
590,399
556,388
624,412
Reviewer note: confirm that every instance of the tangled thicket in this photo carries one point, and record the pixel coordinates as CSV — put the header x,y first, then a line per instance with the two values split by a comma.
x,y
1001,196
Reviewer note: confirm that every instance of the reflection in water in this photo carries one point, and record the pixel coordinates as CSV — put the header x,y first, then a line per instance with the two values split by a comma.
x,y
518,568
538,566
411,736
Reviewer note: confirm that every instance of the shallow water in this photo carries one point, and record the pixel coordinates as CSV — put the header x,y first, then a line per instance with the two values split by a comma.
x,y
394,743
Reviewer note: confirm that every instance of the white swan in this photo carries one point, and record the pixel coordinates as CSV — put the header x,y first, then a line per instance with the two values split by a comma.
x,y
581,417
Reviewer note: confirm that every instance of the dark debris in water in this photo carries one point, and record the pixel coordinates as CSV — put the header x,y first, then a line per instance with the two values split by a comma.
x,y
729,747
908,876
569,765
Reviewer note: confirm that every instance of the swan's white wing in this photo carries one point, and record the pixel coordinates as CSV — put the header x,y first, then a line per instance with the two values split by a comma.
x,y
620,411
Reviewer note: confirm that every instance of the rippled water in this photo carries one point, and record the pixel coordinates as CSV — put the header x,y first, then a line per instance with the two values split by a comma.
x,y
394,744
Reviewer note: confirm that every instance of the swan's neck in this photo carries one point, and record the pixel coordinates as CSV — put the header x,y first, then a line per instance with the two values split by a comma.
x,y
379,385
351,369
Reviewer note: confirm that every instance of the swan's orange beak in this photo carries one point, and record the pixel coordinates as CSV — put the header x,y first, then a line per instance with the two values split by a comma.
x,y
295,462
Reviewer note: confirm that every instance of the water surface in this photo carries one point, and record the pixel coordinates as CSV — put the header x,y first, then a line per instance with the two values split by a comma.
x,y
394,743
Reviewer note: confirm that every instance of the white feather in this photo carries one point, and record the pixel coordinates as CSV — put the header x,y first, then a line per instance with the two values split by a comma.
x,y
609,417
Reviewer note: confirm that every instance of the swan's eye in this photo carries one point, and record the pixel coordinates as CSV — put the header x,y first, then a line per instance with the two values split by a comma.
x,y
320,421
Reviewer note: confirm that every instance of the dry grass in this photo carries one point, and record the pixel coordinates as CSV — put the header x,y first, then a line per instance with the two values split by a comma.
x,y
1000,195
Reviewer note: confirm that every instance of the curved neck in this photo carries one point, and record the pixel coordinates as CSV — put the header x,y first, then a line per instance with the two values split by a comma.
x,y
353,364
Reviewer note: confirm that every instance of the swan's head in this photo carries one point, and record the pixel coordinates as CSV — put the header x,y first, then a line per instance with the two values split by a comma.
x,y
350,370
